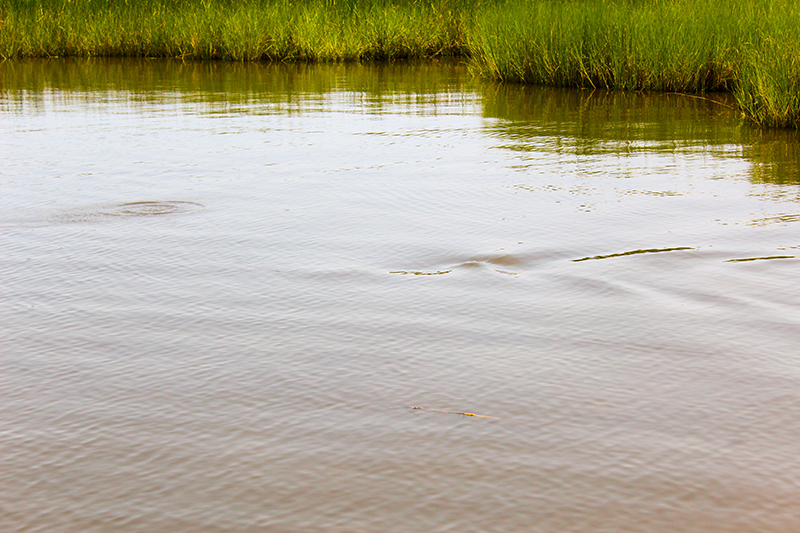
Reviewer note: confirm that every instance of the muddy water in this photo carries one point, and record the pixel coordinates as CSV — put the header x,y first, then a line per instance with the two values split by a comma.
x,y
224,286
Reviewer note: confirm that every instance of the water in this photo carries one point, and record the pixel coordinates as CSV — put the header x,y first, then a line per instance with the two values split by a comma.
x,y
223,286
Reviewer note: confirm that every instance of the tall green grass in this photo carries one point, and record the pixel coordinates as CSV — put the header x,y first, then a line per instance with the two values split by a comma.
x,y
748,47
239,30
768,89
668,46
751,48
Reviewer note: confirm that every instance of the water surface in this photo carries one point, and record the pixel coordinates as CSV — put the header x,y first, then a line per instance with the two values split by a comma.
x,y
223,285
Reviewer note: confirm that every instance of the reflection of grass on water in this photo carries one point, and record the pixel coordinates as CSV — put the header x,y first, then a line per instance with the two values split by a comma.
x,y
750,48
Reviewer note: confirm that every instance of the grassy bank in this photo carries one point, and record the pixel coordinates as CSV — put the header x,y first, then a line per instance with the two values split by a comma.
x,y
238,30
749,48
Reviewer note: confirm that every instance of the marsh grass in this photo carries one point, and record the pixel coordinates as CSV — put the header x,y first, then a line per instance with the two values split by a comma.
x,y
691,46
749,48
246,30
768,91
666,46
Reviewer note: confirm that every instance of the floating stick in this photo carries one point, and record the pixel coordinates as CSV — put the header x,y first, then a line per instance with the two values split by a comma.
x,y
421,272
449,412
634,252
760,258
704,98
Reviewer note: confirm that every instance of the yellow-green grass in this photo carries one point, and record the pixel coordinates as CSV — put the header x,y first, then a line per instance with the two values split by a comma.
x,y
748,47
669,46
240,30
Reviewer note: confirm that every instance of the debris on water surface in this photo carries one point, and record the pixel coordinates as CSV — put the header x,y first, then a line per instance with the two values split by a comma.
x,y
421,272
743,259
635,252
779,219
449,412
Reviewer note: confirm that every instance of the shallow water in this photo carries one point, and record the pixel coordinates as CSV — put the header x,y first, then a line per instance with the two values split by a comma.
x,y
225,284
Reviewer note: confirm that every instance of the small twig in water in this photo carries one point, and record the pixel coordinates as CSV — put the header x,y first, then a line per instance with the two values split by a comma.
x,y
449,412
723,104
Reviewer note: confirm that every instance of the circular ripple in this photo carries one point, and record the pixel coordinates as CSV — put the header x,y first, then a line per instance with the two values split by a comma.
x,y
147,209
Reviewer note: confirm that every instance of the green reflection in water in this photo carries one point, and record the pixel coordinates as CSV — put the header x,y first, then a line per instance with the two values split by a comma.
x,y
224,85
579,122
596,118
775,156
585,122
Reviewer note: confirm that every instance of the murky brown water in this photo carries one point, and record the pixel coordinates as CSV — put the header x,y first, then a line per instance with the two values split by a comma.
x,y
223,285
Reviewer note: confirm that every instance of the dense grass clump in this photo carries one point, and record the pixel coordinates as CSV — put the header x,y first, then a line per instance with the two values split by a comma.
x,y
668,46
768,89
239,30
748,47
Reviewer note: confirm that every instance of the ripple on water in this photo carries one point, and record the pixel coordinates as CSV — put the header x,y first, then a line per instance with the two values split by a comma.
x,y
146,209
126,210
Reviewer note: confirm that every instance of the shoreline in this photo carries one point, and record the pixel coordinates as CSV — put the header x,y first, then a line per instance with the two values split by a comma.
x,y
675,46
